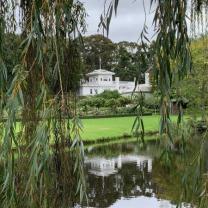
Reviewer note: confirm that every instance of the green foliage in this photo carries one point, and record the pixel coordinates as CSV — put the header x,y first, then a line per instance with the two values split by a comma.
x,y
138,125
84,104
152,102
109,99
98,47
112,103
121,105
131,62
11,52
126,59
92,102
170,53
123,101
97,102
35,173
108,94
194,87
172,62
34,169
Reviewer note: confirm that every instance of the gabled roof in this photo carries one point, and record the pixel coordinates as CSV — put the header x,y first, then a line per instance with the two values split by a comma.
x,y
100,72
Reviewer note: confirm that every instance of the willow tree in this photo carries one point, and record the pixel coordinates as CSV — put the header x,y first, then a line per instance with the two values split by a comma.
x,y
41,150
171,63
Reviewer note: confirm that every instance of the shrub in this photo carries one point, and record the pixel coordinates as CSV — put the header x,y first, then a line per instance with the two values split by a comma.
x,y
123,101
85,102
112,103
152,102
98,102
107,94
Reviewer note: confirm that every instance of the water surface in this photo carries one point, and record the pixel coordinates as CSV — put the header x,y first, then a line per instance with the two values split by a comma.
x,y
124,176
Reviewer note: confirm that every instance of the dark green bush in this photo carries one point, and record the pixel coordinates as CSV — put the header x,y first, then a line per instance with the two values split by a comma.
x,y
151,102
123,101
107,94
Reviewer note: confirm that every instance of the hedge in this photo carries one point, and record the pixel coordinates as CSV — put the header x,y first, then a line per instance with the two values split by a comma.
x,y
113,115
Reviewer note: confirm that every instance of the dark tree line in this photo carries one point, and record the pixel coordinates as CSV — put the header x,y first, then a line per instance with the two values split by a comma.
x,y
12,51
126,59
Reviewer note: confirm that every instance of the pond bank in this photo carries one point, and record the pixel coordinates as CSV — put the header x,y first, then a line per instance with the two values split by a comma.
x,y
149,136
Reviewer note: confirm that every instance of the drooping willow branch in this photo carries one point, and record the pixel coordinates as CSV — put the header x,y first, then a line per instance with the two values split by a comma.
x,y
39,162
171,62
171,54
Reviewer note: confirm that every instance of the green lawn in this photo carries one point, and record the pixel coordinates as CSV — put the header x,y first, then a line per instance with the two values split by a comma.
x,y
114,127
100,128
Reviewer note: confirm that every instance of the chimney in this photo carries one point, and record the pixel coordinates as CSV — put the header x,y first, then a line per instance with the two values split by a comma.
x,y
147,81
117,80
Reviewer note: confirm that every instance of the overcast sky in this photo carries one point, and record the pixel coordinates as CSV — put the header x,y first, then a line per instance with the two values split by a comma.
x,y
128,23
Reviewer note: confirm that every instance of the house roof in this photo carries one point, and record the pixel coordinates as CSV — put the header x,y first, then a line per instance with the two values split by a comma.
x,y
100,72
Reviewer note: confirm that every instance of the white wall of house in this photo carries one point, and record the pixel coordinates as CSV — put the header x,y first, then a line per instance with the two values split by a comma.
x,y
101,80
94,90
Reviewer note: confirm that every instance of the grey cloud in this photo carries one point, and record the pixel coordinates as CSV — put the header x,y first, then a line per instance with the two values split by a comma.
x,y
127,25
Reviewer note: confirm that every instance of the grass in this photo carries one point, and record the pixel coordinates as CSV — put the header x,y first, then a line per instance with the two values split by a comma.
x,y
111,129
115,127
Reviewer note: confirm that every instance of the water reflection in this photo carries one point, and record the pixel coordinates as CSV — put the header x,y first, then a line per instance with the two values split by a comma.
x,y
147,202
101,166
122,176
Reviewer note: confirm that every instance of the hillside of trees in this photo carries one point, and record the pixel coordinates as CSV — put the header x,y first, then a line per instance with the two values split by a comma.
x,y
126,59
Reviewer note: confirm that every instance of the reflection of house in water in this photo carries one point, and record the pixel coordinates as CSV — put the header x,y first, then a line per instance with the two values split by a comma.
x,y
105,167
102,167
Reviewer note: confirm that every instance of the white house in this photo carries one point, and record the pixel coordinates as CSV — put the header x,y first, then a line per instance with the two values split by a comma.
x,y
105,167
101,80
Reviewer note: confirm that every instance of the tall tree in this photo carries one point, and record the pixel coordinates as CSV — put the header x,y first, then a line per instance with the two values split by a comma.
x,y
98,48
131,61
194,86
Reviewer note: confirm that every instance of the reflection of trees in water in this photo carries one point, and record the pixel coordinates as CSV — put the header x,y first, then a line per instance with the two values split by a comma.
x,y
130,181
168,183
112,150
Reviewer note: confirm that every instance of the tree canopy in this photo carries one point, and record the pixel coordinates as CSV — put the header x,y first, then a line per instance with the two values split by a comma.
x,y
126,59
98,50
40,160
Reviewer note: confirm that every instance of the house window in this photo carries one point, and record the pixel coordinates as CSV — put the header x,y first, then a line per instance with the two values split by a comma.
x,y
96,91
91,91
109,79
101,79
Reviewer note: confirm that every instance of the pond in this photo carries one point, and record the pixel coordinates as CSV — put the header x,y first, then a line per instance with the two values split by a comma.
x,y
125,176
